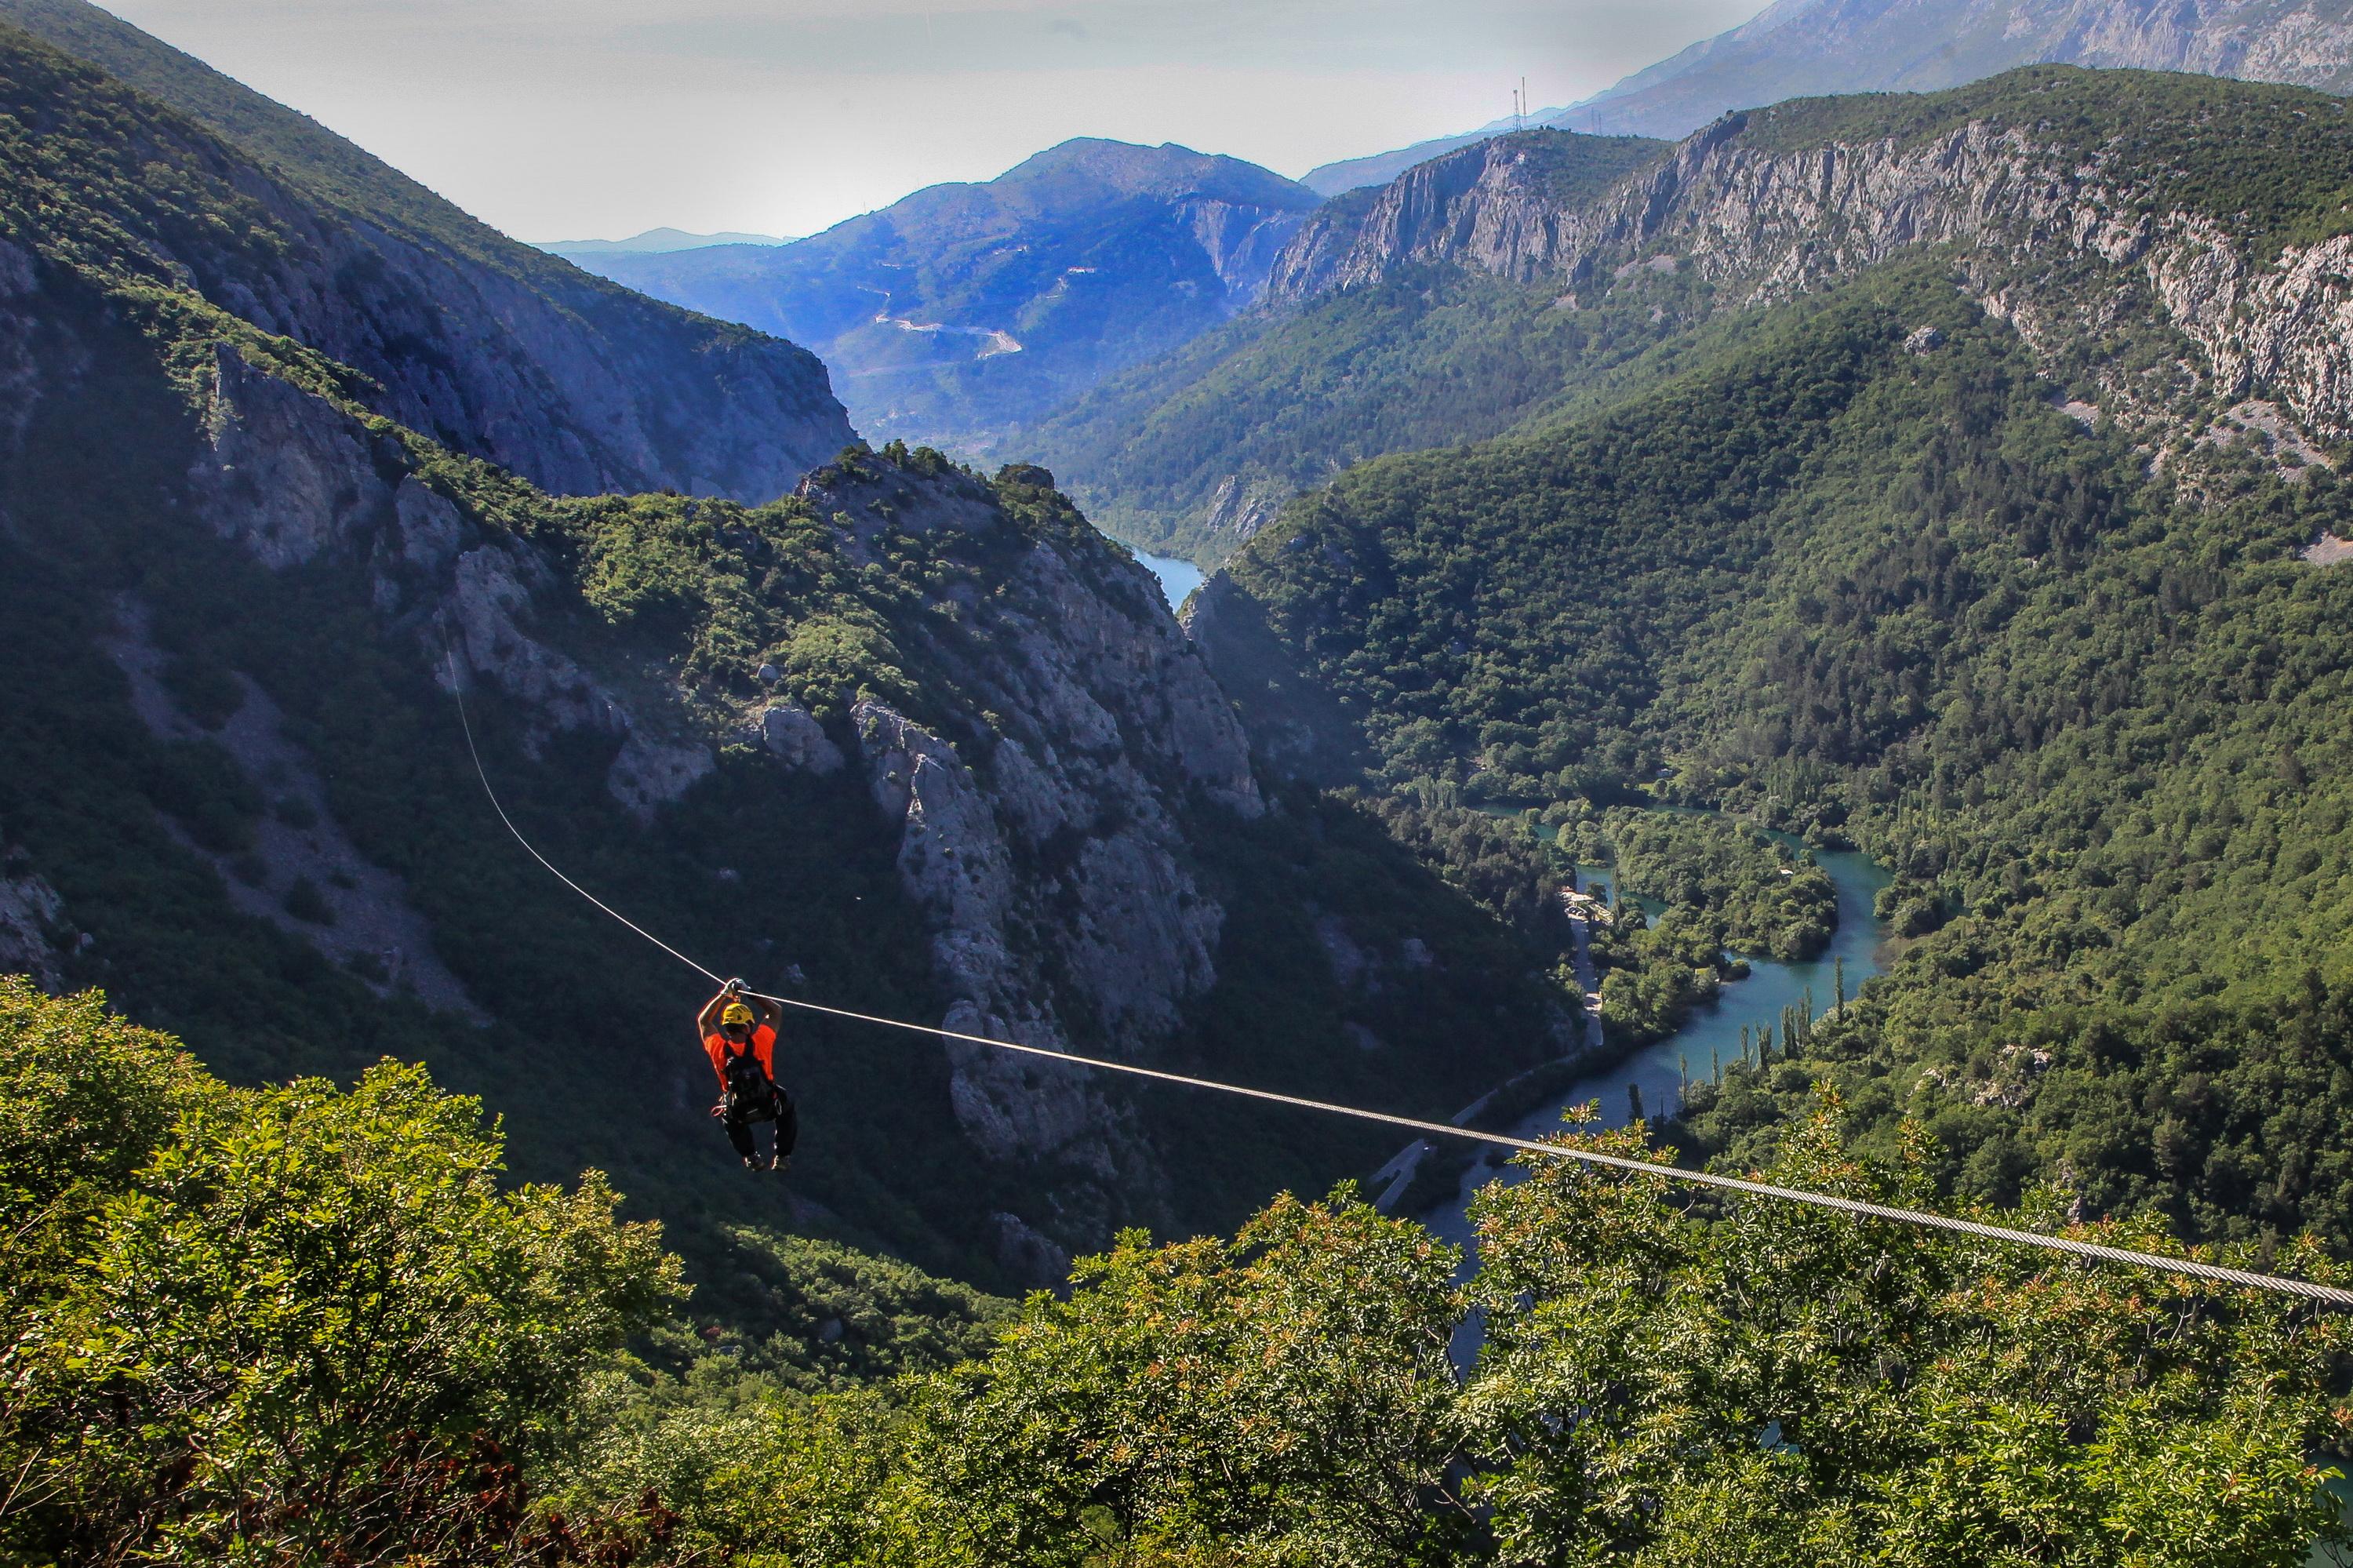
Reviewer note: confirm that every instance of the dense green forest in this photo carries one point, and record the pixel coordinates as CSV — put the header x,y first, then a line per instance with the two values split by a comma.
x,y
2086,709
302,1323
1763,900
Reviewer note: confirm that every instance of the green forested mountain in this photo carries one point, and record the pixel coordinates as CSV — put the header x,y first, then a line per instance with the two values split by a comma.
x,y
960,314
1192,452
2075,676
923,738
1481,293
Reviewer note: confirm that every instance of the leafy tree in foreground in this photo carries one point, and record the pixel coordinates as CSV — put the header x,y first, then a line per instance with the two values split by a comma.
x,y
1280,1398
308,1326
1772,1386
1791,1385
302,1326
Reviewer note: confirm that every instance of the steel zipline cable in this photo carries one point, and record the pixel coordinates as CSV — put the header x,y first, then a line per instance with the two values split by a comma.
x,y
2093,1251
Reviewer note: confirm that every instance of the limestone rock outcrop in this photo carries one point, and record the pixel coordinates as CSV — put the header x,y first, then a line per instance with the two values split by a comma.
x,y
1041,815
30,915
1761,216
1046,835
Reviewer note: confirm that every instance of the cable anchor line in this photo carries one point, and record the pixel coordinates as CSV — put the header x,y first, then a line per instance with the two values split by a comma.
x,y
2074,1246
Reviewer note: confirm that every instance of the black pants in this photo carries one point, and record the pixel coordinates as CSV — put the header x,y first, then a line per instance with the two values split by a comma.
x,y
743,1112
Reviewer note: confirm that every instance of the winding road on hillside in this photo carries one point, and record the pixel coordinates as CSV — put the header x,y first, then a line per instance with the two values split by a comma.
x,y
999,340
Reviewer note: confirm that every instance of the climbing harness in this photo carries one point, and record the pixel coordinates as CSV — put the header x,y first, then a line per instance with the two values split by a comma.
x,y
2094,1251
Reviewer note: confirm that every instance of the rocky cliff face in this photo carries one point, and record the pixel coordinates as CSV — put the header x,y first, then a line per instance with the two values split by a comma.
x,y
1040,815
1486,206
1759,210
31,913
1046,844
1242,243
456,332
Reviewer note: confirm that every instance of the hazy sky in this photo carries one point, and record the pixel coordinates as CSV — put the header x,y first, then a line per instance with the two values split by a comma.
x,y
569,119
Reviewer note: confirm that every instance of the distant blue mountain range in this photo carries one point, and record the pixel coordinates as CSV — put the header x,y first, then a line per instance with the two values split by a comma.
x,y
964,312
656,242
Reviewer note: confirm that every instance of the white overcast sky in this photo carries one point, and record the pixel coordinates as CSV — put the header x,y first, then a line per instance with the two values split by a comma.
x,y
571,119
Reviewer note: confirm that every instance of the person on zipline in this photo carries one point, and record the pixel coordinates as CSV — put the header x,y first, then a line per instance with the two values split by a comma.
x,y
739,1034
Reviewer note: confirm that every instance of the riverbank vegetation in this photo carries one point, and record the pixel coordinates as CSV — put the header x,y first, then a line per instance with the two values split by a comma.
x,y
1654,972
307,1323
1762,899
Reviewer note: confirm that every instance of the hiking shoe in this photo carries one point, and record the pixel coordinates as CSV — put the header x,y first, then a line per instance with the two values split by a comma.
x,y
780,1163
753,1162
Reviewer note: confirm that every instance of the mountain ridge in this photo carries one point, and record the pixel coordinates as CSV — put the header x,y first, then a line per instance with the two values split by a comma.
x,y
1496,304
1805,49
657,241
966,310
495,347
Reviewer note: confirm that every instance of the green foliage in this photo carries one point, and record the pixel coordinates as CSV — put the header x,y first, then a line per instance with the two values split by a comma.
x,y
1281,1399
90,1099
1653,973
837,1318
300,1324
1500,864
1510,608
1247,1394
291,1319
1657,1385
1764,900
1791,1385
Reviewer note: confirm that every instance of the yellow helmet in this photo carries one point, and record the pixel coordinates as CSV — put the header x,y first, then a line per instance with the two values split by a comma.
x,y
734,1014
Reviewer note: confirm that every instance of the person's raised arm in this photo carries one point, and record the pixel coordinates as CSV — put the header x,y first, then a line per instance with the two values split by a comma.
x,y
769,1013
706,1022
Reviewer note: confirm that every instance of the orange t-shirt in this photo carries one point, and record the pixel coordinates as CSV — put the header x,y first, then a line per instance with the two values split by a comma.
x,y
763,1046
